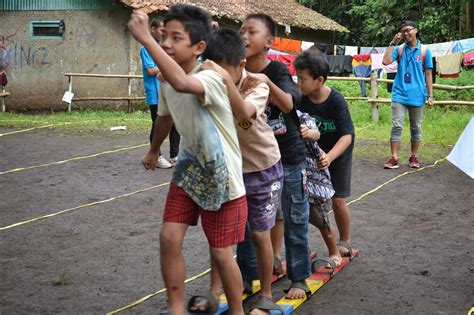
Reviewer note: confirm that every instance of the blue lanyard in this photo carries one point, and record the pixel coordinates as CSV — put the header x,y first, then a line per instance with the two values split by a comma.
x,y
408,60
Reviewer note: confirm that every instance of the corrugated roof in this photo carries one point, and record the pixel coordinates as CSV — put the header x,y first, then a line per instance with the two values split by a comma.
x,y
56,5
282,11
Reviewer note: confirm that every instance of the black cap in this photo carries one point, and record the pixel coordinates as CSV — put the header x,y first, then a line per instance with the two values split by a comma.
x,y
406,23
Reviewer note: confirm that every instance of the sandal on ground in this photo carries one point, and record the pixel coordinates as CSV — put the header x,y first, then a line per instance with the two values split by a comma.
x,y
346,246
206,300
277,267
265,304
299,285
248,287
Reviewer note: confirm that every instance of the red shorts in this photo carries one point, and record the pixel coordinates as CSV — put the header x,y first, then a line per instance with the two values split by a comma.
x,y
223,228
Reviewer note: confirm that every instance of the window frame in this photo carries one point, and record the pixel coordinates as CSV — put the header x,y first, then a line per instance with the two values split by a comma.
x,y
44,23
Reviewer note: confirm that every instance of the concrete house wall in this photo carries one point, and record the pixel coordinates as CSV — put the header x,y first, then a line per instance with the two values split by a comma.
x,y
95,41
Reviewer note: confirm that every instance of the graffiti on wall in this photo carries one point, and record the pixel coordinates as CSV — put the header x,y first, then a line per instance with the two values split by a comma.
x,y
86,36
15,56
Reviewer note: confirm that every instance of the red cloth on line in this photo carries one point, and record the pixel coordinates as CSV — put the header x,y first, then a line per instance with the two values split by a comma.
x,y
361,57
285,44
286,59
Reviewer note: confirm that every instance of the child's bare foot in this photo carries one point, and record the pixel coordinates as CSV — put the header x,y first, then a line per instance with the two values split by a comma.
x,y
345,249
298,290
337,259
203,303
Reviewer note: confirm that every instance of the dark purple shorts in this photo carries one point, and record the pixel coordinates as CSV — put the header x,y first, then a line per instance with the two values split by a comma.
x,y
263,190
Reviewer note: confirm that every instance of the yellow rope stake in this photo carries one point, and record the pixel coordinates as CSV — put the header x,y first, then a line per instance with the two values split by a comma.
x,y
394,179
143,299
208,270
73,159
80,207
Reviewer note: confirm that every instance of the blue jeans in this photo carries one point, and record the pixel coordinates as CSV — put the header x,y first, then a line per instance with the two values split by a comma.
x,y
296,216
294,202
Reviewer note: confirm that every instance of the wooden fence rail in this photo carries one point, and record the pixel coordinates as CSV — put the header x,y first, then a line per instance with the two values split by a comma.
x,y
374,100
129,98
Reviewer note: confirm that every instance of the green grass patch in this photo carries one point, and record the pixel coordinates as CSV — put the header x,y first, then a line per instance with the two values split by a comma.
x,y
442,126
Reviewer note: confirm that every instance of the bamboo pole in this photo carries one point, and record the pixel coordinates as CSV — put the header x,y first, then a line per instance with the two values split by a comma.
x,y
374,93
98,75
69,106
110,98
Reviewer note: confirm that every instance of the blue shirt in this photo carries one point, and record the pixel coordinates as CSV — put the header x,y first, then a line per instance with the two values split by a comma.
x,y
415,92
150,82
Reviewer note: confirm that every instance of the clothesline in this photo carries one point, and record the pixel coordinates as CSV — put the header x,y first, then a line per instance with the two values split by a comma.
x,y
296,46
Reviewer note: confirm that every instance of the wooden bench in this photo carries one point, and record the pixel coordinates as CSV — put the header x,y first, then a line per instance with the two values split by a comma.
x,y
4,94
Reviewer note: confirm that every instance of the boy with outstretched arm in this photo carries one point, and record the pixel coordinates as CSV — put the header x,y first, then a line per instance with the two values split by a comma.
x,y
263,172
207,179
332,115
258,33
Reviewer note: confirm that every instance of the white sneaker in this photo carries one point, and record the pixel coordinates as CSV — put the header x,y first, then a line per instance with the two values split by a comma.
x,y
163,163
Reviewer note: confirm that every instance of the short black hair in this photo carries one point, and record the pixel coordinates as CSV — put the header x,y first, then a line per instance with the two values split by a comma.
x,y
266,20
156,21
196,21
225,45
316,64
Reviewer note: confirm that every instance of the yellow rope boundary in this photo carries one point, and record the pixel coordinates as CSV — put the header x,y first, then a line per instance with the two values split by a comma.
x,y
80,207
73,159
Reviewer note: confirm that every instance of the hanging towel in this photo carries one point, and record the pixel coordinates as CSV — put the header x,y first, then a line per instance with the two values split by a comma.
x,y
469,58
306,45
440,49
449,66
351,50
376,60
340,66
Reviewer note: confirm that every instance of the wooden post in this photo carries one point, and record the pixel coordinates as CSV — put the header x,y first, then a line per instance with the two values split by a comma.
x,y
3,100
129,94
70,90
374,95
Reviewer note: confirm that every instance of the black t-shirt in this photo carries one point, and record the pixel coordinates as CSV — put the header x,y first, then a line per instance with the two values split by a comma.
x,y
285,126
333,119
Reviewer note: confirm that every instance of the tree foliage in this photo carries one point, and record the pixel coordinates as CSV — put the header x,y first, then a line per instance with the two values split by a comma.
x,y
375,22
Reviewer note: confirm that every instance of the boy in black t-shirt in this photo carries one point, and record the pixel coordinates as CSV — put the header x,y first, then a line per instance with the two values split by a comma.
x,y
332,115
258,33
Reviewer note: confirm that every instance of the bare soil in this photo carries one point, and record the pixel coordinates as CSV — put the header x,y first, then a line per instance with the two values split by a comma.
x,y
415,234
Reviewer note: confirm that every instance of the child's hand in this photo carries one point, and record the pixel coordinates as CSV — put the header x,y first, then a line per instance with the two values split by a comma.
x,y
138,26
251,82
149,160
305,132
324,161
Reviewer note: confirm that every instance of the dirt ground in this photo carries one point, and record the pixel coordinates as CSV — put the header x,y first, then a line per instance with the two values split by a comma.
x,y
415,234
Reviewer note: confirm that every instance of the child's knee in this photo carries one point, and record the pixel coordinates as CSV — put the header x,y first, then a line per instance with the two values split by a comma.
x,y
170,239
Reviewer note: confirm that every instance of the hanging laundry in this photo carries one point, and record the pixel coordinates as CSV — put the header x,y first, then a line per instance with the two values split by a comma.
x,y
440,49
351,50
376,60
465,44
340,49
449,66
339,66
287,60
361,65
285,44
325,49
469,58
306,45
